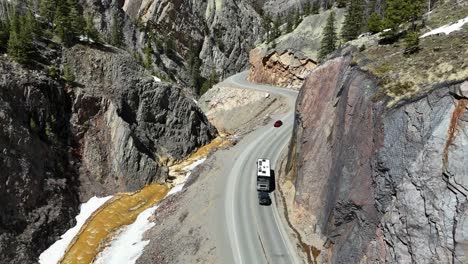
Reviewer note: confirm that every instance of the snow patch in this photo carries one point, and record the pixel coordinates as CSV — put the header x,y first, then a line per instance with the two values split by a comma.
x,y
129,245
179,186
156,79
86,39
54,253
447,29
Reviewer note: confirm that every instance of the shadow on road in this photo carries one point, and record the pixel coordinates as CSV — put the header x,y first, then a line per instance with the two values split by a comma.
x,y
272,181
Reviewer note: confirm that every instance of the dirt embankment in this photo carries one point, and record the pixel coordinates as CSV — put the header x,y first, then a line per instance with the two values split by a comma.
x,y
235,110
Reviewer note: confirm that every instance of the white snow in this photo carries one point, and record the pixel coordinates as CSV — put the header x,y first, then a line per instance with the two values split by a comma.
x,y
156,79
447,29
54,253
129,244
188,170
86,38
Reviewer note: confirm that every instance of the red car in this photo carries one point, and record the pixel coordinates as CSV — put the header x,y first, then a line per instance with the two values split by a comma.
x,y
278,123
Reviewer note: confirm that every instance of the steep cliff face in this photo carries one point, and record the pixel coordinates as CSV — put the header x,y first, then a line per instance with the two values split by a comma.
x,y
131,126
115,128
220,33
377,184
38,190
295,54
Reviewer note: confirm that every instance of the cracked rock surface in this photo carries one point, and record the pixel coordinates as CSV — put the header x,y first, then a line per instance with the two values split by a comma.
x,y
379,184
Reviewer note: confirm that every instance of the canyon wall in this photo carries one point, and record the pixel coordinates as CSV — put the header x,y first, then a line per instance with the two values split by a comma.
x,y
379,184
115,128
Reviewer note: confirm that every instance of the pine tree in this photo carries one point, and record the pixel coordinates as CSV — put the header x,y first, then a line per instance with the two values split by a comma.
x,y
297,19
307,9
68,75
117,36
290,22
47,10
341,3
4,34
399,11
315,8
63,24
170,47
354,18
148,62
328,43
90,31
76,20
375,23
20,43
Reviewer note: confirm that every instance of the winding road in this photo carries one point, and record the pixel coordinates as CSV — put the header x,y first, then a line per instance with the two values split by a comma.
x,y
256,233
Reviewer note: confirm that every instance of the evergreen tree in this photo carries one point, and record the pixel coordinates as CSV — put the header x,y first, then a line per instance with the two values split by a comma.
x,y
75,18
297,19
329,38
307,9
315,8
375,23
341,3
208,84
68,75
354,18
90,31
275,31
47,10
289,22
63,23
170,47
266,21
4,34
399,11
148,62
20,42
411,42
117,36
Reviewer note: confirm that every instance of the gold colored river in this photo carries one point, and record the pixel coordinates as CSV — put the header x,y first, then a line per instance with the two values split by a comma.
x,y
123,210
119,211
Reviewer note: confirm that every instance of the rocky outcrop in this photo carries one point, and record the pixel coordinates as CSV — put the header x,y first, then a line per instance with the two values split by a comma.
x,y
38,179
115,128
282,69
131,126
220,33
377,184
294,55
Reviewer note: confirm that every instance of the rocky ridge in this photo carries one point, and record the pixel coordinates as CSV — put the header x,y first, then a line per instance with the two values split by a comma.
x,y
131,125
375,184
114,129
220,33
293,56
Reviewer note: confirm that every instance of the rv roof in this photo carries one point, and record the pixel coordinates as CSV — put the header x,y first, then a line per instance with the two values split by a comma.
x,y
263,167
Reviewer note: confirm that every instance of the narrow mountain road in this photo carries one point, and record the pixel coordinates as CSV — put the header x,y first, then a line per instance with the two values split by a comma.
x,y
256,233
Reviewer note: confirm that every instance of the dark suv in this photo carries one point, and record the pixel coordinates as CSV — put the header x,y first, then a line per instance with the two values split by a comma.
x,y
264,198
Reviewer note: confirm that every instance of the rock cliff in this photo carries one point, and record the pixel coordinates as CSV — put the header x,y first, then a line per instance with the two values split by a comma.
x,y
38,176
130,125
294,55
115,128
379,184
220,33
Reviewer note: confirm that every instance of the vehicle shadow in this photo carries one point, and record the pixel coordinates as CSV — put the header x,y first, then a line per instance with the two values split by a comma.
x,y
272,181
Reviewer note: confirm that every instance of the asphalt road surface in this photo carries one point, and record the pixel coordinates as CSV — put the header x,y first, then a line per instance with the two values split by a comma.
x,y
256,233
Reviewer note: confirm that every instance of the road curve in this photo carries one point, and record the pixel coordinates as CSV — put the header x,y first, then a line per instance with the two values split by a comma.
x,y
256,233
